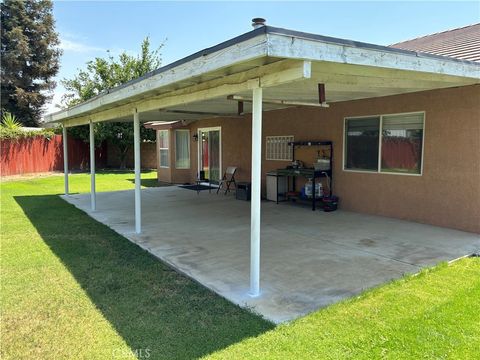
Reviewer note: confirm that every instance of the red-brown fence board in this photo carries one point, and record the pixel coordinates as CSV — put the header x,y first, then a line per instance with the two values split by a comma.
x,y
38,154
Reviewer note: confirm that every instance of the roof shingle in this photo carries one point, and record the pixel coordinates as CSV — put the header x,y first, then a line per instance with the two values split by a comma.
x,y
462,43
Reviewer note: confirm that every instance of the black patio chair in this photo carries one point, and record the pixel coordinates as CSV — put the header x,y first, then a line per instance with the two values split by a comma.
x,y
227,179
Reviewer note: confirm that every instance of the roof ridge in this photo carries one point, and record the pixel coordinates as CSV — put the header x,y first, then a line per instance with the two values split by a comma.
x,y
437,33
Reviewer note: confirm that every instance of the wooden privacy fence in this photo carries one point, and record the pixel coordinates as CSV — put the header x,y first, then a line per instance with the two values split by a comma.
x,y
39,154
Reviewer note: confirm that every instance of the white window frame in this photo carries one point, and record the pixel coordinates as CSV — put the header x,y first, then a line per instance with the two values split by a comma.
x,y
288,138
379,167
163,148
188,151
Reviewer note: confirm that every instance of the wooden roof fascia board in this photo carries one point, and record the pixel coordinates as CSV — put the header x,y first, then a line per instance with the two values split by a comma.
x,y
284,46
250,49
358,44
277,73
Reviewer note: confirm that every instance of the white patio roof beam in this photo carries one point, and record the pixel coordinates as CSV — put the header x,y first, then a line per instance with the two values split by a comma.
x,y
274,74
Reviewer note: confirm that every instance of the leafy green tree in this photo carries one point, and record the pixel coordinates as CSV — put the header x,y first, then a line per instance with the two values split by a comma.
x,y
102,74
30,58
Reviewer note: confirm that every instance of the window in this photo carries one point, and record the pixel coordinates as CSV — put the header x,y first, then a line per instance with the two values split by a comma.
x,y
182,149
396,139
163,148
402,137
278,148
361,136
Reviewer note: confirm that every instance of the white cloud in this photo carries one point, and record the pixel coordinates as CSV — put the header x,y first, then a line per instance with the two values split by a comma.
x,y
78,47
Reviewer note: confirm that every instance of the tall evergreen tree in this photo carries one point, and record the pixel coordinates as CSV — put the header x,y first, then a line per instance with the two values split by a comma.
x,y
29,56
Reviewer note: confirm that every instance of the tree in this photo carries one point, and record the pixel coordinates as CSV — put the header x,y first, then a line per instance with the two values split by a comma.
x,y
103,74
30,58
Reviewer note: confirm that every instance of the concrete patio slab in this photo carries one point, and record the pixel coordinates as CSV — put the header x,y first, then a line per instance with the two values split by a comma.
x,y
308,259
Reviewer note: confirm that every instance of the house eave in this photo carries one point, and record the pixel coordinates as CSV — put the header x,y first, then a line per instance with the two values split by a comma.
x,y
268,43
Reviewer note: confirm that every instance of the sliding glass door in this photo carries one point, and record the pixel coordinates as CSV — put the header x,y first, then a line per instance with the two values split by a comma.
x,y
209,150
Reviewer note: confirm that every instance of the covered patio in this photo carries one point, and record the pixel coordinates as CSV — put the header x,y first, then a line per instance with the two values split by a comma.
x,y
309,259
312,259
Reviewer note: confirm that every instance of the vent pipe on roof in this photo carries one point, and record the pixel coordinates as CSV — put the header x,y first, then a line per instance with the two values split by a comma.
x,y
258,22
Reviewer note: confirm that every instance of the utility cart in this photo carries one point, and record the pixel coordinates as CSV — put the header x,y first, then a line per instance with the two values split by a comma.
x,y
312,173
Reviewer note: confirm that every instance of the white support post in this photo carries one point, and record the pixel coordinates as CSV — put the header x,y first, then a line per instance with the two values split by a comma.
x,y
65,158
256,192
93,200
136,148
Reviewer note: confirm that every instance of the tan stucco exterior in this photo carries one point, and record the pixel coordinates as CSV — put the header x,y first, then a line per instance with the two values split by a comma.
x,y
171,174
446,194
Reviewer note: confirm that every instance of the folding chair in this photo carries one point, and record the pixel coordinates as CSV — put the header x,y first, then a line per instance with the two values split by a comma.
x,y
227,179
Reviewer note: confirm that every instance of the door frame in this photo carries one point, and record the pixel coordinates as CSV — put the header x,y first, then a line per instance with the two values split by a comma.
x,y
199,151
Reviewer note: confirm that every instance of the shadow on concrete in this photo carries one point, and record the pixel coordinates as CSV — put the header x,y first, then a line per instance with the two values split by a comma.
x,y
149,304
151,182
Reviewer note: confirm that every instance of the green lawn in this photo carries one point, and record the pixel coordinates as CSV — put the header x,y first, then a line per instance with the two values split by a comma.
x,y
435,315
72,288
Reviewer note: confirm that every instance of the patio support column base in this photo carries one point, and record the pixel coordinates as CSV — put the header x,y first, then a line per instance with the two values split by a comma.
x,y
93,195
65,158
136,150
256,192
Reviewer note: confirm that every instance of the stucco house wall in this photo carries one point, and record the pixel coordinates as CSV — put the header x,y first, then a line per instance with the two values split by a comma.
x,y
446,194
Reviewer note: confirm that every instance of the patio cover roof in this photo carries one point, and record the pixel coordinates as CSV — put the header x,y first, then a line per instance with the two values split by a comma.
x,y
287,64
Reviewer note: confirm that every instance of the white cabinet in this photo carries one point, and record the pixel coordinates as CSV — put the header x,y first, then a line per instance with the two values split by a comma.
x,y
272,180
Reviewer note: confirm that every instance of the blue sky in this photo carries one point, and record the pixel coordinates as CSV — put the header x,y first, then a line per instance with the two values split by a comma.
x,y
88,28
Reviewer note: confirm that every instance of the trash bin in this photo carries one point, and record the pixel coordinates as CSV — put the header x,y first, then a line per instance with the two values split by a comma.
x,y
243,191
330,203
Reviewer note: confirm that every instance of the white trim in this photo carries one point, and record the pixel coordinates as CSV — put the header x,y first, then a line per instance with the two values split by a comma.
x,y
388,114
189,149
423,140
199,159
379,166
380,129
163,148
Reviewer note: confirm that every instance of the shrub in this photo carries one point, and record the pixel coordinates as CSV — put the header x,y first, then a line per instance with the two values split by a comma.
x,y
9,121
11,129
